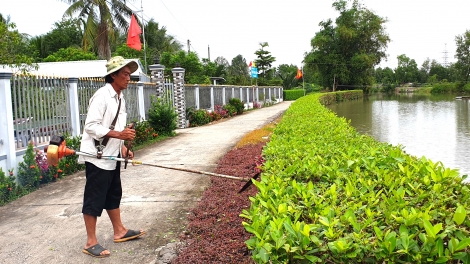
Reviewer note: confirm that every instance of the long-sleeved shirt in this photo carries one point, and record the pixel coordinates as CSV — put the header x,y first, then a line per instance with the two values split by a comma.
x,y
102,109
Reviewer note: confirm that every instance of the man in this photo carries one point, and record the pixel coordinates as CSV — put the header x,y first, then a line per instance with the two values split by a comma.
x,y
104,133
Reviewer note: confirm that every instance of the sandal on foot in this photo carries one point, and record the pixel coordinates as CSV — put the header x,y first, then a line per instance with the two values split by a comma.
x,y
131,234
95,251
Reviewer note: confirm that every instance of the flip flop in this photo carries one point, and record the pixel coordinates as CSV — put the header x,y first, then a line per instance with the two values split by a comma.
x,y
95,251
131,234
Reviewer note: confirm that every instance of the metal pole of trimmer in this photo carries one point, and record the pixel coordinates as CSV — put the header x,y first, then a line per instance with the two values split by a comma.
x,y
57,149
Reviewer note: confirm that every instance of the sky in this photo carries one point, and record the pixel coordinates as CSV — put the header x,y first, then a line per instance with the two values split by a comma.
x,y
420,29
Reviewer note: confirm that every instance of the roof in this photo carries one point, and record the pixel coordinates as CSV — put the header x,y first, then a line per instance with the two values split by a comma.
x,y
80,69
95,68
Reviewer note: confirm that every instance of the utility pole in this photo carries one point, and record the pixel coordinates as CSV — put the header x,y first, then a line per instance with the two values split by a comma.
x,y
208,53
445,55
189,46
143,36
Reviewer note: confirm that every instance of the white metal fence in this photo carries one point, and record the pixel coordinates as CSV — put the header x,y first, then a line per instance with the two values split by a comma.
x,y
33,108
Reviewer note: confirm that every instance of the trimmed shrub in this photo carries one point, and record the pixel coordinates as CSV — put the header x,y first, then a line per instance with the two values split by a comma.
x,y
330,195
292,95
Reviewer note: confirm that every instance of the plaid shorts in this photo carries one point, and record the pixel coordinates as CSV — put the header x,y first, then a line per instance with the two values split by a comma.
x,y
102,189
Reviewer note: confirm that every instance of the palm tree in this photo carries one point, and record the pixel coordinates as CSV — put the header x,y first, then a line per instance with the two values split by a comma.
x,y
158,40
100,19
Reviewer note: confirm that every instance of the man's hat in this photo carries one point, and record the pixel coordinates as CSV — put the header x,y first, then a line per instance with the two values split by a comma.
x,y
118,62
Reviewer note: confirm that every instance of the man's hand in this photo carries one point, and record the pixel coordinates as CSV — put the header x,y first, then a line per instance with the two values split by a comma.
x,y
127,134
124,153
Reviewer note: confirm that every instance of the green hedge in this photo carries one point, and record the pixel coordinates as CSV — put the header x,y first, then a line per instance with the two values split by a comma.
x,y
291,95
330,195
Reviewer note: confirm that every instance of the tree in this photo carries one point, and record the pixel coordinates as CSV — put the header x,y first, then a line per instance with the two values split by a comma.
x,y
423,75
100,19
407,70
264,61
158,41
13,46
70,54
189,61
462,54
287,74
238,71
439,71
346,53
66,33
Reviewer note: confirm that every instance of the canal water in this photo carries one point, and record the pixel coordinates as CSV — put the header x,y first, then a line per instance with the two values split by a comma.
x,y
437,127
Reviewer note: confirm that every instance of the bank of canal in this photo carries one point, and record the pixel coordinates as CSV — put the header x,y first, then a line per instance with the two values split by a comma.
x,y
437,127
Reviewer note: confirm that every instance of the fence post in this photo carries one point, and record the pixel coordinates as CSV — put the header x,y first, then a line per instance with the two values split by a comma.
x,y
196,95
7,134
257,94
269,90
158,76
72,93
212,98
247,97
241,94
140,94
223,95
233,92
179,101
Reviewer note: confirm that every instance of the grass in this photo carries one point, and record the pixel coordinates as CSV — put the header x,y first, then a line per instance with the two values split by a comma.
x,y
258,135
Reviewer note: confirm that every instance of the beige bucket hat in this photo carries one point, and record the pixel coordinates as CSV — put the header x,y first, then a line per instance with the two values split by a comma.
x,y
116,63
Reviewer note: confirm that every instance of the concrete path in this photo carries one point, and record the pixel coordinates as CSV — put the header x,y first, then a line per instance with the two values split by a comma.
x,y
46,226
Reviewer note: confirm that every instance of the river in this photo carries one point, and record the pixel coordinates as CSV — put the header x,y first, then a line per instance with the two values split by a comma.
x,y
437,127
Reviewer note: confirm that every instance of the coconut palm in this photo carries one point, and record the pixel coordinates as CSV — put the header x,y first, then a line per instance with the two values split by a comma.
x,y
100,19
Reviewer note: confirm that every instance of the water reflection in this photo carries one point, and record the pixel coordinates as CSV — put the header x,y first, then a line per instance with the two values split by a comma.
x,y
437,127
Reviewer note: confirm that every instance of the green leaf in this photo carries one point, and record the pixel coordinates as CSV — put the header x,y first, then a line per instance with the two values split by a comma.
x,y
431,230
459,215
463,244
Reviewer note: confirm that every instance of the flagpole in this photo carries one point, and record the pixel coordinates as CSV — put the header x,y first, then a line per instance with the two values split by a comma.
x,y
303,78
143,35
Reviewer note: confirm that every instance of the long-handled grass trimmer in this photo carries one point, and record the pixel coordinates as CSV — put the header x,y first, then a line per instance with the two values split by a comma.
x,y
57,150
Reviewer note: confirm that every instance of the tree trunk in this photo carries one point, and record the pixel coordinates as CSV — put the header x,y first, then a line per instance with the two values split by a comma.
x,y
104,51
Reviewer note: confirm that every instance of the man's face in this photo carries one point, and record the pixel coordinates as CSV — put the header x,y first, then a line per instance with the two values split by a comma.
x,y
122,78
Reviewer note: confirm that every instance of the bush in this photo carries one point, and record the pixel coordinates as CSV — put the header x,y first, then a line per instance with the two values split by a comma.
x,y
231,110
68,164
331,195
28,171
162,117
198,117
8,187
238,104
291,95
143,133
466,88
443,88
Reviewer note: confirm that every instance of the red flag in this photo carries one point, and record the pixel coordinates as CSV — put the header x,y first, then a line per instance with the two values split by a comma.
x,y
133,36
299,74
249,65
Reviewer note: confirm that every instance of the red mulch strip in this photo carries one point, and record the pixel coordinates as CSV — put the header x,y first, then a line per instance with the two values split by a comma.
x,y
215,232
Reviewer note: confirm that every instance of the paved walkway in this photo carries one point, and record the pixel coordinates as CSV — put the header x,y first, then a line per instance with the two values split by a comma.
x,y
46,226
